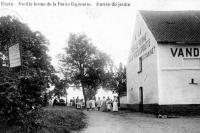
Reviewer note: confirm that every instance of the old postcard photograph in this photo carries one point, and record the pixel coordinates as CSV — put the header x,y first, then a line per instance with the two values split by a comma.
x,y
99,66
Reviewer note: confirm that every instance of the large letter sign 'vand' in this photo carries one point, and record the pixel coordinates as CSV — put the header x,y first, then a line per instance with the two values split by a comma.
x,y
14,55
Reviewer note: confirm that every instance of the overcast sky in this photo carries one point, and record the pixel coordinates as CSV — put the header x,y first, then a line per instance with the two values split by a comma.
x,y
109,28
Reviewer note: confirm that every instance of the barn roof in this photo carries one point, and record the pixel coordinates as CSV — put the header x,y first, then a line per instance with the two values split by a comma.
x,y
173,26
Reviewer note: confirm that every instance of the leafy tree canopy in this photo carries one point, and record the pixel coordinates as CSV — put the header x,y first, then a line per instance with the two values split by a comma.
x,y
33,45
117,80
60,86
22,88
84,65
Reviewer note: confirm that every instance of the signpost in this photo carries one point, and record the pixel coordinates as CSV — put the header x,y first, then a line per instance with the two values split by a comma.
x,y
14,56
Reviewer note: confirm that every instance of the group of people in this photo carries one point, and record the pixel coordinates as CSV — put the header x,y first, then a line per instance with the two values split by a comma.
x,y
99,104
77,103
102,105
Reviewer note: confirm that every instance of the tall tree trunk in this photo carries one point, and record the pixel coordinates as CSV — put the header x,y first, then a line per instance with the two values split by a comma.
x,y
118,98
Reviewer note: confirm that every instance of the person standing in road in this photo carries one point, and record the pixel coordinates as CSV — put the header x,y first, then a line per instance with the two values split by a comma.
x,y
115,104
88,104
103,104
73,102
77,102
93,103
108,104
98,104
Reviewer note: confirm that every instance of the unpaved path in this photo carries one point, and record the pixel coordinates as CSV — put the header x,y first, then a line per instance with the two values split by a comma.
x,y
130,122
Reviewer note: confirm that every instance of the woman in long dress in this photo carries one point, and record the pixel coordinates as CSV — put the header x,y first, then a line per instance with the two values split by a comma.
x,y
98,104
103,105
93,103
115,104
88,104
108,103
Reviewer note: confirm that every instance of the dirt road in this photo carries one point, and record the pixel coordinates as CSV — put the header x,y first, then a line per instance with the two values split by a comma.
x,y
130,122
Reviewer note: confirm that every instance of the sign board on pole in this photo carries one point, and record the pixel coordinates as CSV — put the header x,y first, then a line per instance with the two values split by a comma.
x,y
14,55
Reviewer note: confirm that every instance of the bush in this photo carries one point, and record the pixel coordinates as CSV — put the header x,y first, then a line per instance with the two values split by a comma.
x,y
61,102
52,120
22,88
21,103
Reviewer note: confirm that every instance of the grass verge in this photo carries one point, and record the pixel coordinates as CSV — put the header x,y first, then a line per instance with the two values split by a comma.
x,y
56,120
63,119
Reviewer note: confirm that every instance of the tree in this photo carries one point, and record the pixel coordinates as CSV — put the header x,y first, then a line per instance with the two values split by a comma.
x,y
60,86
22,88
84,65
117,80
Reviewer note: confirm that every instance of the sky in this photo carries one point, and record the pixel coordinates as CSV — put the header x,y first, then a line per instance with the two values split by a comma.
x,y
109,28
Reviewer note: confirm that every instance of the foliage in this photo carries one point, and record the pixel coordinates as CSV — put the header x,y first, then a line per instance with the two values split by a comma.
x,y
62,119
23,88
117,80
84,65
60,86
20,103
54,120
59,102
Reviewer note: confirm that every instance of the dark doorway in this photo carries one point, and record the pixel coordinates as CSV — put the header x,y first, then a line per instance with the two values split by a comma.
x,y
141,99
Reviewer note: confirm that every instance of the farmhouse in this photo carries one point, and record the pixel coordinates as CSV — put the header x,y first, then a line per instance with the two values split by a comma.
x,y
163,70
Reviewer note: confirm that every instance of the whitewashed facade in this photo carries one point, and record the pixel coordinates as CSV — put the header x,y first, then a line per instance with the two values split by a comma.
x,y
163,74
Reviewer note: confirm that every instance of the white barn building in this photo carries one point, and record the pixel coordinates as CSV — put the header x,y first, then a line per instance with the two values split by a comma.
x,y
163,70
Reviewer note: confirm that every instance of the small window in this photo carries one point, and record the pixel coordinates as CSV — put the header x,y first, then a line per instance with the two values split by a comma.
x,y
140,65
